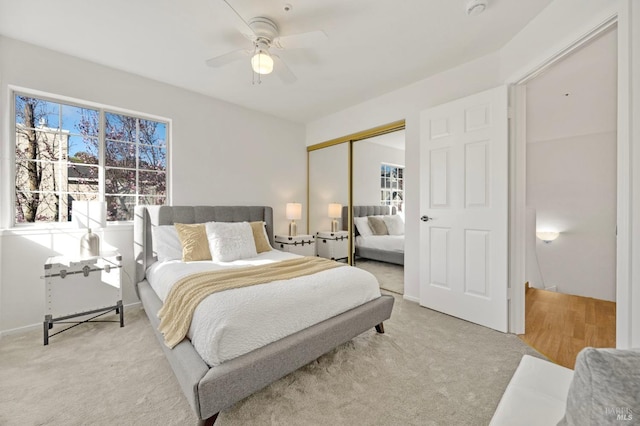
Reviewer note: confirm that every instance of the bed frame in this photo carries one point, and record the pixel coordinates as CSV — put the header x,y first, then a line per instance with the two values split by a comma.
x,y
212,389
370,253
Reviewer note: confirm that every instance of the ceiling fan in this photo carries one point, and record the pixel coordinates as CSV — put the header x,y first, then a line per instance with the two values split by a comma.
x,y
265,36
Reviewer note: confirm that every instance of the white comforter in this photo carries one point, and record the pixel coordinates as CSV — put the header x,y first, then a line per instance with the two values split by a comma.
x,y
382,242
234,322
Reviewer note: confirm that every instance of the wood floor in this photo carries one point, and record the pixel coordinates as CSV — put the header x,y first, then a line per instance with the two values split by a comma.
x,y
560,325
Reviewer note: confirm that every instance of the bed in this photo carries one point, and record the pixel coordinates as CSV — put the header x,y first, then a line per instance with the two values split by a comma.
x,y
210,389
383,248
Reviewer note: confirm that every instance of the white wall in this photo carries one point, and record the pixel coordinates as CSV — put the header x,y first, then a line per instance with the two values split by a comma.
x,y
367,158
220,154
571,184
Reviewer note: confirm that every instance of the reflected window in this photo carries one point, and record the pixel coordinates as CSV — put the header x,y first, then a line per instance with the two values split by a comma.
x,y
392,186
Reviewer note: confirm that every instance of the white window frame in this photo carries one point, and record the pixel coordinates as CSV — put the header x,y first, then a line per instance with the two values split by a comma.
x,y
102,108
383,202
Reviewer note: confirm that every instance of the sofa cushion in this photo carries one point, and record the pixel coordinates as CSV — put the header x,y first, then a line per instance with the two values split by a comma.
x,y
536,394
605,389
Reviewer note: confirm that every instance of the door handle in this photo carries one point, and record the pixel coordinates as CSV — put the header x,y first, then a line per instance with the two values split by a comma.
x,y
426,218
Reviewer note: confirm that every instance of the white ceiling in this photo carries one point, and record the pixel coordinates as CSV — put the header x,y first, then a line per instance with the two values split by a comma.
x,y
375,46
589,77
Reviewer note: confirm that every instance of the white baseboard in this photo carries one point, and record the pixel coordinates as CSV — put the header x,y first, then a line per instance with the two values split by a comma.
x,y
20,330
27,328
411,298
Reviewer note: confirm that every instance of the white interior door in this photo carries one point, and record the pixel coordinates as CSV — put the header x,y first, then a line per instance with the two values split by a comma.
x,y
464,208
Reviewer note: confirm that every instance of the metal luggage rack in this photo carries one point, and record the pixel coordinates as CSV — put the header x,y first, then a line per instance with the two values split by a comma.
x,y
86,270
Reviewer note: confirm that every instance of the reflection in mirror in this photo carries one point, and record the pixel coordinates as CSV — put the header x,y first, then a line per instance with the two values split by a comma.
x,y
328,184
378,206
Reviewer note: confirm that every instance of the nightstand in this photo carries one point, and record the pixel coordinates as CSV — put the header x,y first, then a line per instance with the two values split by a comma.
x,y
333,245
79,288
304,245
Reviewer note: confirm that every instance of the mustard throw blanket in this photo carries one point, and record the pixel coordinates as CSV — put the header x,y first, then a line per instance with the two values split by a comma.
x,y
179,306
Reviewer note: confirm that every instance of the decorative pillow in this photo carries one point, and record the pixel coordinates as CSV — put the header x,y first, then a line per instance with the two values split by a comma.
x,y
604,389
194,241
260,237
166,243
362,225
377,225
229,241
395,224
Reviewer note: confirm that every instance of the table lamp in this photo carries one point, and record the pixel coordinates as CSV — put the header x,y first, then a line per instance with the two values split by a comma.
x,y
334,212
294,212
89,214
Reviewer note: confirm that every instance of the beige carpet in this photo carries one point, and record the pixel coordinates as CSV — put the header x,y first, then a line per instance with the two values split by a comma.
x,y
428,369
389,275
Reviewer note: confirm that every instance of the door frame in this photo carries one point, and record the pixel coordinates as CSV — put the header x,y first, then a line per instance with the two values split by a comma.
x,y
517,179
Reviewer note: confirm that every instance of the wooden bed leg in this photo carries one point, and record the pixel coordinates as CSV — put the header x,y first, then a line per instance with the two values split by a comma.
x,y
211,420
380,328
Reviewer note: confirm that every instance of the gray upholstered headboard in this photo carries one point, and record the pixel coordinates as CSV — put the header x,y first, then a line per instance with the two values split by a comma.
x,y
360,211
147,216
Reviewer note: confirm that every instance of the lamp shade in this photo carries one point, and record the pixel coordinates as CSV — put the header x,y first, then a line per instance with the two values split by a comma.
x,y
89,214
294,211
334,210
262,63
547,236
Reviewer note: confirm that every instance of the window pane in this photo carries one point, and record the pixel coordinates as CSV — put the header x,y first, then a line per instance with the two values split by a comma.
x,y
152,183
37,113
153,133
37,176
120,207
401,173
83,149
401,184
152,201
119,181
81,121
120,127
41,207
120,154
36,144
152,158
82,178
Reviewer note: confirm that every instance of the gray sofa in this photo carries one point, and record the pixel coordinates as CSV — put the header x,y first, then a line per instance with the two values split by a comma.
x,y
604,389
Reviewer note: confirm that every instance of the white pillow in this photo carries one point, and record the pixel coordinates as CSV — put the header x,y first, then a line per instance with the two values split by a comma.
x,y
166,243
395,224
229,241
362,225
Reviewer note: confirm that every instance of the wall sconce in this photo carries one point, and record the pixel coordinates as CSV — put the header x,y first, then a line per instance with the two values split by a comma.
x,y
89,214
547,236
334,212
294,212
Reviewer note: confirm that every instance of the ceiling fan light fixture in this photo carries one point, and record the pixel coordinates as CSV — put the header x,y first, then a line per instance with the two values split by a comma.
x,y
262,63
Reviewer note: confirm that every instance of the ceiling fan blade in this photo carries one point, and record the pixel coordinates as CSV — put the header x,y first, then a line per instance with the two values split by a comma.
x,y
227,58
243,26
296,41
282,70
